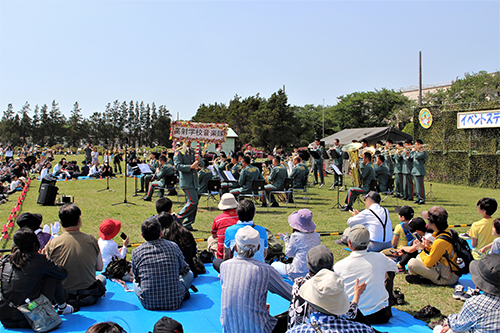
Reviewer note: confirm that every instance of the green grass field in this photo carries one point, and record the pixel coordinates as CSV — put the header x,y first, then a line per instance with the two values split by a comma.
x,y
460,201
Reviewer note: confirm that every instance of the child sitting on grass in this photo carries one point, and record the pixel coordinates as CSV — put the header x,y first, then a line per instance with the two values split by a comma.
x,y
495,245
480,231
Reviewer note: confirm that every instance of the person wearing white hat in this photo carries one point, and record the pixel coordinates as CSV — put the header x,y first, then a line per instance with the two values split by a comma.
x,y
244,283
229,217
326,294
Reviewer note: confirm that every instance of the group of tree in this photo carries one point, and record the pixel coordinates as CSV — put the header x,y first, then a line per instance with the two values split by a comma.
x,y
135,123
263,122
272,122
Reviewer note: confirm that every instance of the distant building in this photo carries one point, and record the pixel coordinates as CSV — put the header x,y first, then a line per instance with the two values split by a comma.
x,y
412,91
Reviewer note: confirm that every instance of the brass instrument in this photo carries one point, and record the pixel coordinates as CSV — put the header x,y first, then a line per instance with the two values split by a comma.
x,y
352,149
370,150
265,172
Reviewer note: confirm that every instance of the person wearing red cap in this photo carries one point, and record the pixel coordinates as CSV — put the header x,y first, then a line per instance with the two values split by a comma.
x,y
107,231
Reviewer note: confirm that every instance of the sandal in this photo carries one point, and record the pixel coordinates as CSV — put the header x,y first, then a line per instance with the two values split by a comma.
x,y
399,296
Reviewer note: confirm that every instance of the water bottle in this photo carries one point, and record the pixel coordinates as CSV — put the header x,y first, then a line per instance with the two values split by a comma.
x,y
31,305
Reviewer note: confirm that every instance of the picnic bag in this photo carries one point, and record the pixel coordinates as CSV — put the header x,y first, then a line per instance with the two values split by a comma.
x,y
117,268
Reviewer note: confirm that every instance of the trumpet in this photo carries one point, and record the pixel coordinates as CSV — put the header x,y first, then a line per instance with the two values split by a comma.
x,y
421,147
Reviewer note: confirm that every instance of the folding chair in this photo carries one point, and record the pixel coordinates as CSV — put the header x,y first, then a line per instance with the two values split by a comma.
x,y
213,188
257,191
169,184
303,190
287,190
389,192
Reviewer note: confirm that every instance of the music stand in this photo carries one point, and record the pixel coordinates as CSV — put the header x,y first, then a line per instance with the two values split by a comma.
x,y
337,171
314,154
125,192
137,170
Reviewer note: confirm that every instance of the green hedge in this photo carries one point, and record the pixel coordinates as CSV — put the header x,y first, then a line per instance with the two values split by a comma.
x,y
460,156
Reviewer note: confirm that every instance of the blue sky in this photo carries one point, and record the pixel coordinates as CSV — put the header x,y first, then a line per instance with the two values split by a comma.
x,y
184,53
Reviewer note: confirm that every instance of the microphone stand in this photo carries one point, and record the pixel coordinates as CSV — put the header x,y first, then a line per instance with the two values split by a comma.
x,y
125,199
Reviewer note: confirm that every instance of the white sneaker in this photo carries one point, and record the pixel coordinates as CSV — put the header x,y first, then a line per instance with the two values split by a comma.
x,y
66,310
459,291
470,292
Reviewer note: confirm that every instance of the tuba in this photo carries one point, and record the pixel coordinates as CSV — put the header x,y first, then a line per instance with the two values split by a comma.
x,y
352,150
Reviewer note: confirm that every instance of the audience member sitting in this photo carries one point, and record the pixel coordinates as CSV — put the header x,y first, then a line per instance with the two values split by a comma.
x,y
376,219
434,266
480,231
373,268
106,327
405,253
326,295
46,170
495,245
177,233
303,238
318,258
245,282
246,213
85,169
222,221
162,277
164,205
94,170
107,231
34,222
79,253
15,184
31,274
479,313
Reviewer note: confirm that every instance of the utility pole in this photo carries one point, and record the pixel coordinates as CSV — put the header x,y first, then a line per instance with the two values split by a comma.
x,y
419,78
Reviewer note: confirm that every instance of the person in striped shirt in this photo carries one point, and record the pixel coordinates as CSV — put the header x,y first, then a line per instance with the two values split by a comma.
x,y
245,282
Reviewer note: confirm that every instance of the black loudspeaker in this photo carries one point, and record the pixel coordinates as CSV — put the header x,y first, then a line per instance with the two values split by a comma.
x,y
47,196
49,179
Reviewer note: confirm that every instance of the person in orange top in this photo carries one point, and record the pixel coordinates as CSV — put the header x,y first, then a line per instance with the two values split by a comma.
x,y
431,265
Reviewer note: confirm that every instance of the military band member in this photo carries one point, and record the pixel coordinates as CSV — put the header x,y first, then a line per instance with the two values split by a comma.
x,y
367,176
145,179
276,180
222,164
247,176
364,144
418,171
407,177
398,171
204,175
337,162
187,164
318,164
158,179
382,173
389,162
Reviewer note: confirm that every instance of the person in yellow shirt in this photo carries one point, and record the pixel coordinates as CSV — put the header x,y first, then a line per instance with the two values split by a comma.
x,y
431,265
480,231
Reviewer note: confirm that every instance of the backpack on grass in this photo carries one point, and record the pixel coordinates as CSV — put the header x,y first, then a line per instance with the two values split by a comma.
x,y
461,248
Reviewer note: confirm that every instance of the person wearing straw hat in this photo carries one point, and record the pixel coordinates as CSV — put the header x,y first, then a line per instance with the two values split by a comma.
x,y
303,238
222,221
479,313
375,269
244,283
326,294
